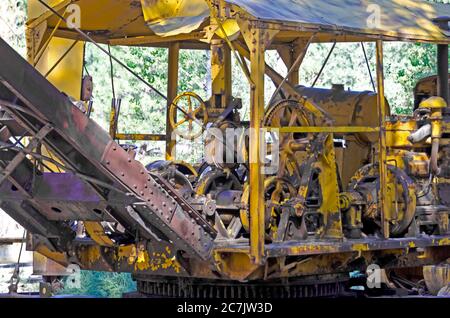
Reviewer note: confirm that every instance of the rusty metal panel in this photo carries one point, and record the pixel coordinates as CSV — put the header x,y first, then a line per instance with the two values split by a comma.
x,y
158,204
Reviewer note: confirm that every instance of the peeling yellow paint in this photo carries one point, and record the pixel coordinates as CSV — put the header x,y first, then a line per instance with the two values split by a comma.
x,y
128,252
91,255
311,248
360,248
143,261
162,261
444,241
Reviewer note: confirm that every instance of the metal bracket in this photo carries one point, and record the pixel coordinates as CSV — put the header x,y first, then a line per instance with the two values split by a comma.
x,y
9,169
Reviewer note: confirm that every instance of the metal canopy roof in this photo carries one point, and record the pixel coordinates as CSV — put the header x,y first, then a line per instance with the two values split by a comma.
x,y
401,19
406,20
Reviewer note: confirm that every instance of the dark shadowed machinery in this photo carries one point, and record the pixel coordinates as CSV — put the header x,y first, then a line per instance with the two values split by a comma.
x,y
354,186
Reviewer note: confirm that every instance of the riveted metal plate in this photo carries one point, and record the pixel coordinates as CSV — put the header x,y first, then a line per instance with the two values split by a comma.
x,y
158,203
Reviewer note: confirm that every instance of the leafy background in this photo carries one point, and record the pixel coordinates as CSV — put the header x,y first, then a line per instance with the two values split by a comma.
x,y
143,111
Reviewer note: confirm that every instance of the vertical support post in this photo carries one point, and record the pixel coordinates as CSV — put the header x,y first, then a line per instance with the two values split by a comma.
x,y
294,77
289,55
382,153
442,57
328,179
257,206
114,117
257,40
172,92
220,74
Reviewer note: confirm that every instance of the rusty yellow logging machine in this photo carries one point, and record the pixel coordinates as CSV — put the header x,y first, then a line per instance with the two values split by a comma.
x,y
355,185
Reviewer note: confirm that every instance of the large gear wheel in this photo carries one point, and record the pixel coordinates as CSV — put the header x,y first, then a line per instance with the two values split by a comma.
x,y
401,198
277,191
289,113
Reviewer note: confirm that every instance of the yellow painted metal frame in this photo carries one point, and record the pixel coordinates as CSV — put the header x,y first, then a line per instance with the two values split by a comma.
x,y
257,40
326,129
258,37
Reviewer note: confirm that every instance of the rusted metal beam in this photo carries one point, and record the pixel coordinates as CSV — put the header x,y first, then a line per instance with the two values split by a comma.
x,y
10,241
62,197
155,39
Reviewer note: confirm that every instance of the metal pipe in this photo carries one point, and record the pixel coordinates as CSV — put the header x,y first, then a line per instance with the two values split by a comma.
x,y
421,134
442,56
436,135
435,156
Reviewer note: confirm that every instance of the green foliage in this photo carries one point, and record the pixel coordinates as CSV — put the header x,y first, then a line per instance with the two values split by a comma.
x,y
404,64
143,110
102,284
12,23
